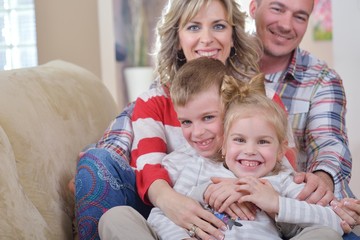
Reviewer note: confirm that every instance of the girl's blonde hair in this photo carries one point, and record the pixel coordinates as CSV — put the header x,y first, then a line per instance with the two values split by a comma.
x,y
242,63
243,100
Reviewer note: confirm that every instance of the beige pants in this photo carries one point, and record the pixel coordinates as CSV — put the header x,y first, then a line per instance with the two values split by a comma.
x,y
318,232
124,222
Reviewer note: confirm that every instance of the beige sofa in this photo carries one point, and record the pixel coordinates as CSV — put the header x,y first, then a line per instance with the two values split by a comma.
x,y
47,115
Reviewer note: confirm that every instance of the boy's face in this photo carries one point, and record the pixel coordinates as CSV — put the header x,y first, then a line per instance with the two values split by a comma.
x,y
251,147
201,122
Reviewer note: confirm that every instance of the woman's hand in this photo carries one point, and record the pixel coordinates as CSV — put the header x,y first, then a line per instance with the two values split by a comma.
x,y
348,209
223,196
318,187
185,211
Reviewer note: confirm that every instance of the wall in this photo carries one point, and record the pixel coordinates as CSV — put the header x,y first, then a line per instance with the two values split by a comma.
x,y
70,30
346,52
321,49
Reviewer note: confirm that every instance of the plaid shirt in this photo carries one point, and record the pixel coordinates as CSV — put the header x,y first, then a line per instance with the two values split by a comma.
x,y
119,136
315,99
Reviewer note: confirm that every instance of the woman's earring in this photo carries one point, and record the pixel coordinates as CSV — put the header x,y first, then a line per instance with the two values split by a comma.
x,y
232,52
180,56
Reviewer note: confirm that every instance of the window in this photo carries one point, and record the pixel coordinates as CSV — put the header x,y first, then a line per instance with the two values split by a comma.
x,y
249,24
18,34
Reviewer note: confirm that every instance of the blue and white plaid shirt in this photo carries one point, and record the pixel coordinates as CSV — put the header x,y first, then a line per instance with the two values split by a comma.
x,y
315,99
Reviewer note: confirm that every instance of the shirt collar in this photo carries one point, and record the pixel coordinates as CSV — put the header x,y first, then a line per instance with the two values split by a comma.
x,y
294,71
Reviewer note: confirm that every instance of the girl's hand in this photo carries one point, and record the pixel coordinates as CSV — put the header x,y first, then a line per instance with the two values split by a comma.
x,y
261,193
223,196
185,211
348,209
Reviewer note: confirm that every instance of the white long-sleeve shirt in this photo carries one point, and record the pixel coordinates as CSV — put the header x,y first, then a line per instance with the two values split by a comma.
x,y
189,172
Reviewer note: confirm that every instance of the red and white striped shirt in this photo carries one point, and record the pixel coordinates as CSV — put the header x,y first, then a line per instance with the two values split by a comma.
x,y
157,132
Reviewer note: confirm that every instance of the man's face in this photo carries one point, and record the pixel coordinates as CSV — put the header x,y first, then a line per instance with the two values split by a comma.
x,y
281,24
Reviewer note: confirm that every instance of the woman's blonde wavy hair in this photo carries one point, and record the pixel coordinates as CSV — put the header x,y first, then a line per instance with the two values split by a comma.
x,y
248,48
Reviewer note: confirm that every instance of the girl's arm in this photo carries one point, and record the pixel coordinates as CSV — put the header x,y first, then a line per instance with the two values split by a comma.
x,y
285,207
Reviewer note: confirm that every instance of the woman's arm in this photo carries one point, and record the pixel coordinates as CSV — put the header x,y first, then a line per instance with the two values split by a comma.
x,y
348,209
185,211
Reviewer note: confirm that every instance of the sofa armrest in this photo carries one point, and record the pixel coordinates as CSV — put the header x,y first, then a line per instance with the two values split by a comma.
x,y
48,114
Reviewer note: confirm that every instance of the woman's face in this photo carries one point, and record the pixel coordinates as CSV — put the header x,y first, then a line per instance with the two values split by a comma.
x,y
207,34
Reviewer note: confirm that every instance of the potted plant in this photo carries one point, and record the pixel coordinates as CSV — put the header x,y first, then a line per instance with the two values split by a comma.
x,y
134,51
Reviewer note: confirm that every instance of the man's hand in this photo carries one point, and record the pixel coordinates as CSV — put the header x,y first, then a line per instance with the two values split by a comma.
x,y
318,188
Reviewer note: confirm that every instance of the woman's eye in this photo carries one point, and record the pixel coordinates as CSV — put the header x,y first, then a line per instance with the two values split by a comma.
x,y
193,28
219,27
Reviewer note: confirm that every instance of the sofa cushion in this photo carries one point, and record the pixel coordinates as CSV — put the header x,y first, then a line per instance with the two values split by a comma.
x,y
22,219
48,114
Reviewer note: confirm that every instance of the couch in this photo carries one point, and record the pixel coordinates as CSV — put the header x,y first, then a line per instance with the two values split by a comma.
x,y
48,114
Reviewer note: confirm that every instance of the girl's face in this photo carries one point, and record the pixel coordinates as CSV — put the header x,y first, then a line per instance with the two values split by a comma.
x,y
252,147
201,122
207,34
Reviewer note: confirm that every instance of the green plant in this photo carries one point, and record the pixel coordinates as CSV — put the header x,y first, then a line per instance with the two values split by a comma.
x,y
137,35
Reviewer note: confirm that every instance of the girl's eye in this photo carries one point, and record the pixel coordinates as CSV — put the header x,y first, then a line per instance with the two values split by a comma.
x,y
208,118
264,142
239,140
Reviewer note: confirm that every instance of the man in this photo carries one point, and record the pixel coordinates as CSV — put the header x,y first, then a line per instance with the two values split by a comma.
x,y
313,95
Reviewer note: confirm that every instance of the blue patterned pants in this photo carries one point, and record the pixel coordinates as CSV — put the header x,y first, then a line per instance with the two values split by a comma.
x,y
103,181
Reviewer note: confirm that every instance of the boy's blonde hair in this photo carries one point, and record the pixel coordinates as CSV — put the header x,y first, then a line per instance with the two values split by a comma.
x,y
194,77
